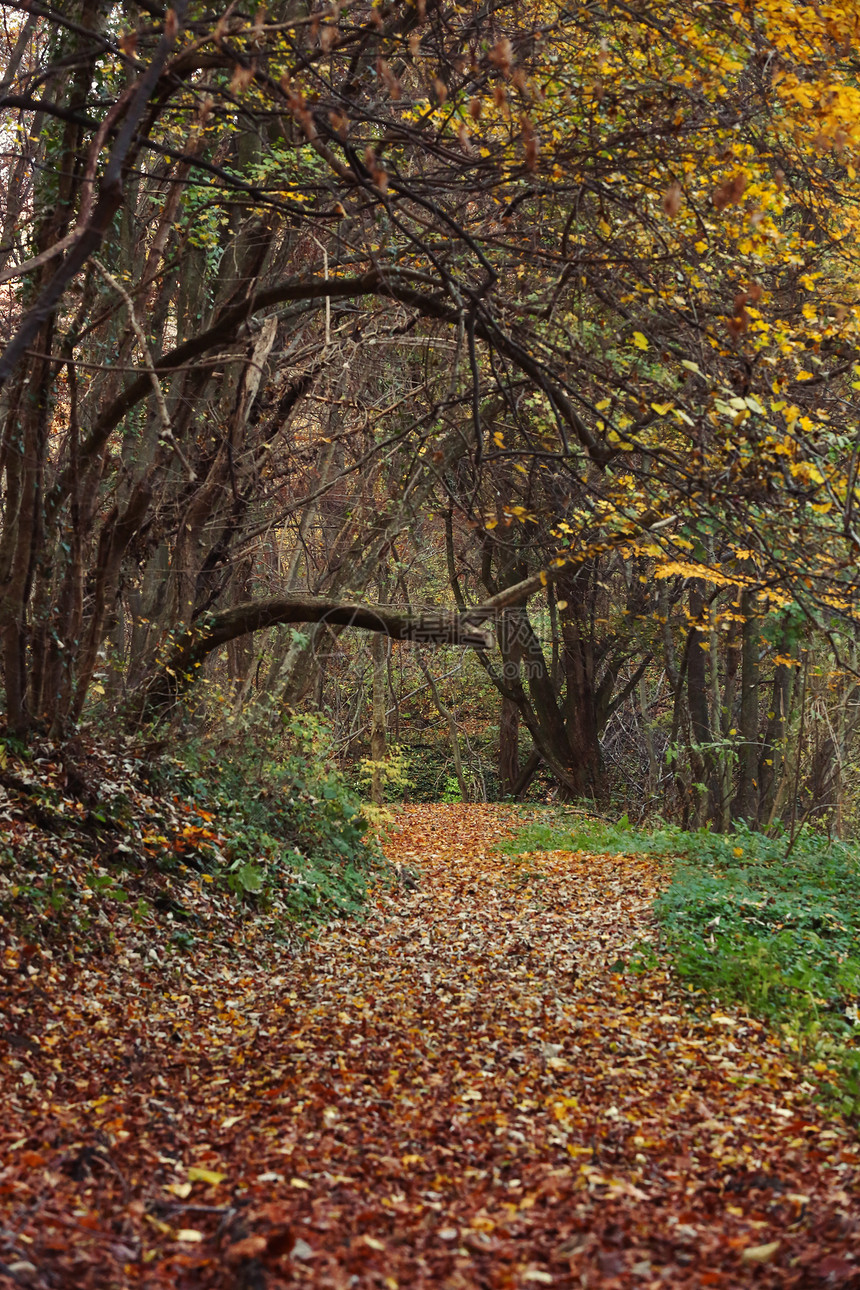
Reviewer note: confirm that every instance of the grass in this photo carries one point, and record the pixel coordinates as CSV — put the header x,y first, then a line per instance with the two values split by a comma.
x,y
749,920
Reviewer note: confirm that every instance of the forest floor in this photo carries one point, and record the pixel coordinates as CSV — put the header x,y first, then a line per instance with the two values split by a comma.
x,y
468,1087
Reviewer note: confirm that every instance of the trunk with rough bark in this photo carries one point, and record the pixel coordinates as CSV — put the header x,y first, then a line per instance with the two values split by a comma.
x,y
30,398
704,793
509,746
378,651
746,804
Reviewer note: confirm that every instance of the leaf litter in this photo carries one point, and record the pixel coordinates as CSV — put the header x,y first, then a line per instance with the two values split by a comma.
x,y
467,1088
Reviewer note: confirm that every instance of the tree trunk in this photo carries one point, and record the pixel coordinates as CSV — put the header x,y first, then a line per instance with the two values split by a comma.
x,y
701,755
509,746
746,802
772,757
378,651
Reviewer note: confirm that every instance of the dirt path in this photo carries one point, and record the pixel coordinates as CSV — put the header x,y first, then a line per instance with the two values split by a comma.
x,y
457,1092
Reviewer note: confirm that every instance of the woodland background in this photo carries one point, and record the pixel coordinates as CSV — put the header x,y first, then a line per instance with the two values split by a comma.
x,y
471,387
457,403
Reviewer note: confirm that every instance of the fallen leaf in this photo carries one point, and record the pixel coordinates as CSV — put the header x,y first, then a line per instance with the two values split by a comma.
x,y
249,1248
205,1175
760,1253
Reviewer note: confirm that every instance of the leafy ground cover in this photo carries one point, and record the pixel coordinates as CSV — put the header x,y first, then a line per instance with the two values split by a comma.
x,y
101,843
461,1089
756,920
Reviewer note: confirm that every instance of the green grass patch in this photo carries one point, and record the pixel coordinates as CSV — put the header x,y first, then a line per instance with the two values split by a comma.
x,y
779,932
557,829
748,919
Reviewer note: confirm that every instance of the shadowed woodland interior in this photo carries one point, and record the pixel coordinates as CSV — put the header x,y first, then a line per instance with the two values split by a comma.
x,y
319,324
429,685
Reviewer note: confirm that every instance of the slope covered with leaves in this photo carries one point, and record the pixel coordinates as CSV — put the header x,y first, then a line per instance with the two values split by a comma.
x,y
461,1090
107,844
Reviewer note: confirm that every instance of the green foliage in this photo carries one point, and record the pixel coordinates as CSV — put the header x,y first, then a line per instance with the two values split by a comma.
x,y
290,830
428,769
560,830
778,933
393,771
451,791
255,831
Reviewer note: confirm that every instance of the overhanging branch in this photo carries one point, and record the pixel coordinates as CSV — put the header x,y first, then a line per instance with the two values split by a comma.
x,y
408,287
214,630
464,627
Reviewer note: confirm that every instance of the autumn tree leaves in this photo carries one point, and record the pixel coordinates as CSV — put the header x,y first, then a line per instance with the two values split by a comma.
x,y
581,279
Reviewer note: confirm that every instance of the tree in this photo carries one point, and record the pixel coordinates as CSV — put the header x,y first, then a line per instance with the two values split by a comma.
x,y
631,233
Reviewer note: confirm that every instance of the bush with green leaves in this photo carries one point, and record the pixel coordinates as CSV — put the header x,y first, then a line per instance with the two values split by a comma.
x,y
111,833
294,830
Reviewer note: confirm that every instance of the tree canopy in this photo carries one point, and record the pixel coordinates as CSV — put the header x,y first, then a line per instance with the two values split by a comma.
x,y
567,291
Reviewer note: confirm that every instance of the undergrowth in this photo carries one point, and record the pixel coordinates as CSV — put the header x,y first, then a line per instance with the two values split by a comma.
x,y
755,920
95,838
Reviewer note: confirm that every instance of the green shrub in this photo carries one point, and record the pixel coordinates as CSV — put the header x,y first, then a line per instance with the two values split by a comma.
x,y
294,831
265,822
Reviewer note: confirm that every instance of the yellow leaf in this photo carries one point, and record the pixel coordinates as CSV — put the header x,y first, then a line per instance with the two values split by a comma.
x,y
182,1190
760,1253
205,1175
639,340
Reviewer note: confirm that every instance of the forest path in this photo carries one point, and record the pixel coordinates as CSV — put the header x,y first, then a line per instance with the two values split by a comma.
x,y
457,1092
